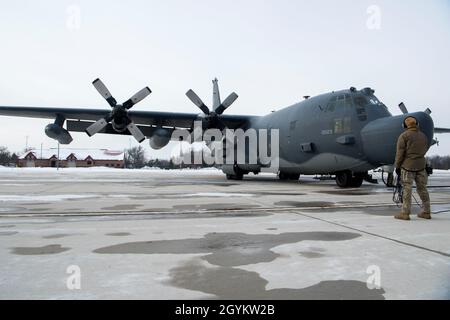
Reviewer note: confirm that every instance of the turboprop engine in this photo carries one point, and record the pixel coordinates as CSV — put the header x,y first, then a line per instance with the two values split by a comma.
x,y
58,133
160,138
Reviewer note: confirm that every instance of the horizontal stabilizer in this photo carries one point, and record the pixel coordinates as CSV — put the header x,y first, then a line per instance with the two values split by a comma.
x,y
441,130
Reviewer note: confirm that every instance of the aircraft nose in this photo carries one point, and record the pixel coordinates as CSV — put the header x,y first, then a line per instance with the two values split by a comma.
x,y
380,136
426,124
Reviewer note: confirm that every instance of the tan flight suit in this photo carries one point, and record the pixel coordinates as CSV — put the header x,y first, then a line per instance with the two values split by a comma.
x,y
412,145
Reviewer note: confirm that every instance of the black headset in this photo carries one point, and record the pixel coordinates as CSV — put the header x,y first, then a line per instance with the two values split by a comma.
x,y
404,121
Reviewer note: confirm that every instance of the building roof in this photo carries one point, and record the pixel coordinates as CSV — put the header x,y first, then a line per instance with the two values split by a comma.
x,y
80,154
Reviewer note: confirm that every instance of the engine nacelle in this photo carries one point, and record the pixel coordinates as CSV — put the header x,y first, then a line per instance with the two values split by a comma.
x,y
58,133
160,138
120,124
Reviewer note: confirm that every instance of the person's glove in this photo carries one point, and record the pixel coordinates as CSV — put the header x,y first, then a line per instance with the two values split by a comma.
x,y
398,171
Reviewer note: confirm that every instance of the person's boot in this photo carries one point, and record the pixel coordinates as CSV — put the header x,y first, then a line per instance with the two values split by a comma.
x,y
424,215
402,216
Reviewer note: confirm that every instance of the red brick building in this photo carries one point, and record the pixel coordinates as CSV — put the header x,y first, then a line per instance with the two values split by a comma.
x,y
71,158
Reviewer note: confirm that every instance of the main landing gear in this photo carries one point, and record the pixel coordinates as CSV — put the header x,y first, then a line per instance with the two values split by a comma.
x,y
237,176
346,179
288,176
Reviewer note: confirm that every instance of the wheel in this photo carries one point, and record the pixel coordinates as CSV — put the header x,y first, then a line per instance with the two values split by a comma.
x,y
294,176
390,180
238,176
283,176
356,182
343,179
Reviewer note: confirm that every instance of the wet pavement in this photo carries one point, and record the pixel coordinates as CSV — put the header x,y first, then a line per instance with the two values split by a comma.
x,y
194,235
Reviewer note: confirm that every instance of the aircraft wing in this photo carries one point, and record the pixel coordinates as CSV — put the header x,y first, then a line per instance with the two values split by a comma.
x,y
441,130
141,118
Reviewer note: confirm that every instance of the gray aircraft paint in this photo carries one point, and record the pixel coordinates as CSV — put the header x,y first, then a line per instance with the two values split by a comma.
x,y
341,139
347,131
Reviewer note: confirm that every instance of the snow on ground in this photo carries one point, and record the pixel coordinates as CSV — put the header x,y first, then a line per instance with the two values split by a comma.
x,y
109,170
217,194
149,170
37,198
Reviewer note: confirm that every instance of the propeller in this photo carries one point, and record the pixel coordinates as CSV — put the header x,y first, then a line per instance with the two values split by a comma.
x,y
405,110
211,118
119,113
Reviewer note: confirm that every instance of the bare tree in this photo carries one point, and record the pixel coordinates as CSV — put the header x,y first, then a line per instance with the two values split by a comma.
x,y
135,157
439,162
5,156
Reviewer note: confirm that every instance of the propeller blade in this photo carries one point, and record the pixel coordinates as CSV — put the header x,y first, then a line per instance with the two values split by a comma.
x,y
136,132
403,108
101,88
226,103
96,127
427,111
141,95
197,101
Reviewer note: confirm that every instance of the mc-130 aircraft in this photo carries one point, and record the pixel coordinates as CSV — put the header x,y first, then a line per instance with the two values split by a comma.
x,y
344,133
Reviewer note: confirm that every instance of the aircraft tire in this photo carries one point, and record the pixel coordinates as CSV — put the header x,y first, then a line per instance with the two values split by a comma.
x,y
344,179
390,180
238,176
356,182
283,176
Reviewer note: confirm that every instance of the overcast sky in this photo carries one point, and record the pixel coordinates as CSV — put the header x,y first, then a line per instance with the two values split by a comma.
x,y
270,52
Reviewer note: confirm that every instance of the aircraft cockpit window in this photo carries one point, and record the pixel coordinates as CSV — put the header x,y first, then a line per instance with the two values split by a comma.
x,y
367,102
342,125
375,101
339,101
361,101
348,101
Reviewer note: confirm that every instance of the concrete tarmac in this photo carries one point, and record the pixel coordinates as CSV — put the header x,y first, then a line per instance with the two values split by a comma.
x,y
150,234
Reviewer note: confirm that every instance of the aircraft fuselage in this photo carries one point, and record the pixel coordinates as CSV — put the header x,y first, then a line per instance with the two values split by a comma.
x,y
346,130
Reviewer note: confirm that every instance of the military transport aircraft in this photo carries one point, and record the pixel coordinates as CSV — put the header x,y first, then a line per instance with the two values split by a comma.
x,y
344,133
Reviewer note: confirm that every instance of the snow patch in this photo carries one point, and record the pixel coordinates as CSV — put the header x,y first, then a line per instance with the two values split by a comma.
x,y
40,198
217,194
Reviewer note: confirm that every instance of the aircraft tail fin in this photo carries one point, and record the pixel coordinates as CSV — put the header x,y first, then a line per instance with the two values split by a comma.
x,y
216,94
